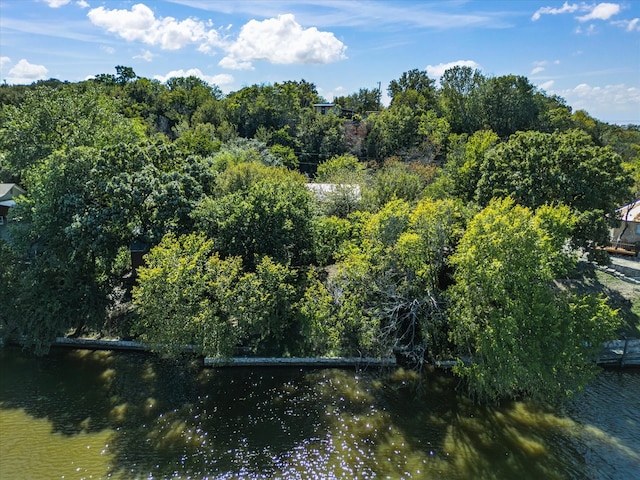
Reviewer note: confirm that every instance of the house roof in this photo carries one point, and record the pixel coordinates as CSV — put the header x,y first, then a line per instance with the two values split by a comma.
x,y
323,190
10,190
631,212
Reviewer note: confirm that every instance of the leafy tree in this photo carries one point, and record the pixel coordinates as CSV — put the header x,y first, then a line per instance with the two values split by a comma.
x,y
49,119
66,246
413,89
271,216
199,140
458,98
124,74
508,104
186,296
337,167
330,233
435,132
270,106
465,162
243,150
366,100
187,102
395,180
394,131
520,335
390,279
319,138
265,300
537,168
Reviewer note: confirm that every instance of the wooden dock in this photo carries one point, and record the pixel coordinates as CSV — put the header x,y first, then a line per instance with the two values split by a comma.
x,y
620,353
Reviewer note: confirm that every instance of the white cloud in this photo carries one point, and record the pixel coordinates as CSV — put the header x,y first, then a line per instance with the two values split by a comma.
x,y
541,66
4,61
82,4
282,41
629,25
611,103
330,95
602,11
25,72
219,80
233,64
590,30
108,50
566,8
146,55
56,3
547,85
436,71
141,24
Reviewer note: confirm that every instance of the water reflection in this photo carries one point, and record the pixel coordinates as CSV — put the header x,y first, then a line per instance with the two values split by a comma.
x,y
116,415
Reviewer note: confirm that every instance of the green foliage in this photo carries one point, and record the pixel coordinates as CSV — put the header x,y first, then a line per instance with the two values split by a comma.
x,y
414,89
394,131
239,177
49,119
265,302
186,296
464,167
319,137
329,234
395,180
273,107
435,131
337,167
459,99
242,150
537,168
521,335
285,155
508,104
366,100
199,140
321,330
269,216
389,285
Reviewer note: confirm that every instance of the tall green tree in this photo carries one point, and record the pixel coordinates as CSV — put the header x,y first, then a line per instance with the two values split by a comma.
x,y
271,215
66,249
508,104
563,167
413,89
185,296
365,100
394,131
49,119
517,333
459,100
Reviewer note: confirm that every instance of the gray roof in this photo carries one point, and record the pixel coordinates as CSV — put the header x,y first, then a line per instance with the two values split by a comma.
x,y
9,191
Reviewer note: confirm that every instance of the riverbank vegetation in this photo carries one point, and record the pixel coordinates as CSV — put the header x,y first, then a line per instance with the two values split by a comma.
x,y
437,227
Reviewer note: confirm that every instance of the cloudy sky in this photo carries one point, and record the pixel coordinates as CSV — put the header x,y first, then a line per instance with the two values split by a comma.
x,y
588,53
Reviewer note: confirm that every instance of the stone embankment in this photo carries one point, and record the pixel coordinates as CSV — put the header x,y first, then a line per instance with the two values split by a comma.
x,y
616,353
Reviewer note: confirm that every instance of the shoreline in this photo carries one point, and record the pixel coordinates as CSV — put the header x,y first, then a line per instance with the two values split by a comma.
x,y
619,353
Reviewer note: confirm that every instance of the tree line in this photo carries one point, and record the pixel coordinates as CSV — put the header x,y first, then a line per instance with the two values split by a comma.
x,y
450,214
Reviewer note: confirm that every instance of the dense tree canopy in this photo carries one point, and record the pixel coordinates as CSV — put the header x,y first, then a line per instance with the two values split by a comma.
x,y
440,226
519,334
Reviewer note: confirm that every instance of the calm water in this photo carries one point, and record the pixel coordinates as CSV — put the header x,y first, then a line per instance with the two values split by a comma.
x,y
80,414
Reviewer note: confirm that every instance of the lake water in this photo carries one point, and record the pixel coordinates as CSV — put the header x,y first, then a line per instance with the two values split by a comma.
x,y
89,415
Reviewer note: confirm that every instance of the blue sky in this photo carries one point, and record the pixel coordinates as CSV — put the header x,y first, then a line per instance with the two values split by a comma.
x,y
588,53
